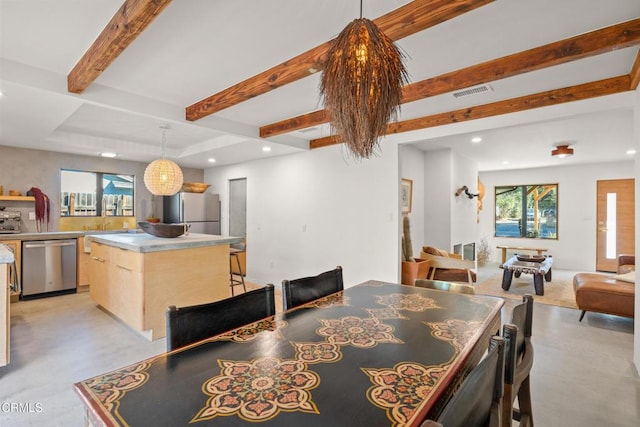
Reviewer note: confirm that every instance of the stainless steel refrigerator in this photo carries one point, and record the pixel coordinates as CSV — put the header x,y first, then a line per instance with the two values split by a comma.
x,y
200,210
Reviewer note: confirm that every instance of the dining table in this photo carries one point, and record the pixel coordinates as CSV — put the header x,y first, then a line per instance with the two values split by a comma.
x,y
375,354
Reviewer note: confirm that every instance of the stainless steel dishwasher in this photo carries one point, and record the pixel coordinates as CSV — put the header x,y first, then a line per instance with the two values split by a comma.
x,y
49,267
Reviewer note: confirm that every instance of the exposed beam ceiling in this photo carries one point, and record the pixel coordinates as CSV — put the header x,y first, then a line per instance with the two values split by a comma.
x,y
542,99
574,48
402,22
130,20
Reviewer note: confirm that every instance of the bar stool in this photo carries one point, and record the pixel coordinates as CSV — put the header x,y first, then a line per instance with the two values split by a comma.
x,y
234,250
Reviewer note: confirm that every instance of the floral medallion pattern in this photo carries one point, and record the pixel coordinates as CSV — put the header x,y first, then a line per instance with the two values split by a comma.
x,y
333,300
357,331
317,352
258,390
385,313
110,388
457,332
401,389
411,302
250,332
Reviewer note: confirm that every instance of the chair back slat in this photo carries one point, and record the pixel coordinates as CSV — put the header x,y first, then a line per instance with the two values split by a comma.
x,y
186,325
477,401
301,291
519,364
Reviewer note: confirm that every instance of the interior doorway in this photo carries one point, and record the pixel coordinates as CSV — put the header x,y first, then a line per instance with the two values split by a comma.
x,y
615,222
238,207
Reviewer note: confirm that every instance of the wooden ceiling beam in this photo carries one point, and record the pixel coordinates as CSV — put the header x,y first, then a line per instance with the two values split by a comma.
x,y
617,36
543,99
635,73
402,22
133,17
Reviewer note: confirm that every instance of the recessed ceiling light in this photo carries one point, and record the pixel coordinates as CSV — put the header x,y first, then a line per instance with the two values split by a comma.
x,y
505,162
110,155
476,139
211,160
631,152
266,148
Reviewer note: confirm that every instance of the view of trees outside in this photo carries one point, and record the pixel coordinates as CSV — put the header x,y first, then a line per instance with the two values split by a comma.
x,y
527,211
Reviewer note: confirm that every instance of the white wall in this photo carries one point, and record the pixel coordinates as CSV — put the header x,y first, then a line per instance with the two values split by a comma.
x,y
309,212
636,137
437,199
464,211
412,167
449,220
575,248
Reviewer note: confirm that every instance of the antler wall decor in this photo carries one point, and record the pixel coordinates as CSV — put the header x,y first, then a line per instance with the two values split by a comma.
x,y
465,189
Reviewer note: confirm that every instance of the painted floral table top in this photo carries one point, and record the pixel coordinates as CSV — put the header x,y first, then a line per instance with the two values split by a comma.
x,y
374,354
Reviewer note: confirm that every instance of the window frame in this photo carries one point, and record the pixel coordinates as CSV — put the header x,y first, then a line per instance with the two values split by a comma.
x,y
548,213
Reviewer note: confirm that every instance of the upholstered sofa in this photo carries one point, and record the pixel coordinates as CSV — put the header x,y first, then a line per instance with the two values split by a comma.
x,y
605,293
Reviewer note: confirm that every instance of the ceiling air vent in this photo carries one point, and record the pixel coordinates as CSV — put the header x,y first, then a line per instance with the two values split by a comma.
x,y
473,90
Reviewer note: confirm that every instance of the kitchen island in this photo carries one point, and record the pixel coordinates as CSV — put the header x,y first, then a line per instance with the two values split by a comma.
x,y
135,277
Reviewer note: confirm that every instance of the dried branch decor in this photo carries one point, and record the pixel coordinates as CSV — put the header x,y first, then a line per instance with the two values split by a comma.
x,y
362,85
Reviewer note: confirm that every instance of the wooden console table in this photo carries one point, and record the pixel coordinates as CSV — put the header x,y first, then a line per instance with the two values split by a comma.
x,y
538,251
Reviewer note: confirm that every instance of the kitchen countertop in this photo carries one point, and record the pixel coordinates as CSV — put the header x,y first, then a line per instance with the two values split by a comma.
x,y
143,242
6,256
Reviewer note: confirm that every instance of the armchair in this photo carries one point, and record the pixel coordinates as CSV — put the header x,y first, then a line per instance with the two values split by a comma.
x,y
626,263
448,267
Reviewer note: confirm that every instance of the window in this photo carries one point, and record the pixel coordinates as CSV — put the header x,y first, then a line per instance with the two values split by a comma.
x,y
96,194
527,211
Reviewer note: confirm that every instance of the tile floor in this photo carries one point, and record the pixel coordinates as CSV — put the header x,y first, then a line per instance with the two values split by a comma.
x,y
583,373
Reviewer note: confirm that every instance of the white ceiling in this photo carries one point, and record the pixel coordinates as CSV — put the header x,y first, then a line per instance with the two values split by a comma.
x,y
199,47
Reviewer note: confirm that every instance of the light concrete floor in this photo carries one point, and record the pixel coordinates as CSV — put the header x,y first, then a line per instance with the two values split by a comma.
x,y
582,375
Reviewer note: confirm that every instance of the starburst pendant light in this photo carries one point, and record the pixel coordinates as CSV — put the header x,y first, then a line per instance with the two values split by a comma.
x,y
163,177
362,85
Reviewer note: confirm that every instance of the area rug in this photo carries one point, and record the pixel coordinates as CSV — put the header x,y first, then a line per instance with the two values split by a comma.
x,y
557,292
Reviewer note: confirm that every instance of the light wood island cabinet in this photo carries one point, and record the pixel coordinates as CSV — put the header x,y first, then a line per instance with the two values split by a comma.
x,y
136,277
6,258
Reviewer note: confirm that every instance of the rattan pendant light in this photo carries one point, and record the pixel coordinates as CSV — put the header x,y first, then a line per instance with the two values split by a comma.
x,y
362,85
163,177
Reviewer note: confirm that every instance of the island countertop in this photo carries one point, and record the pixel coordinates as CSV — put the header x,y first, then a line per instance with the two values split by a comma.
x,y
143,242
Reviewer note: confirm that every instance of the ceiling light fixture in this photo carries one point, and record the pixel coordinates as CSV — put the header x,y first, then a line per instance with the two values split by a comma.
x,y
109,155
163,177
362,85
211,160
266,148
631,152
476,139
562,151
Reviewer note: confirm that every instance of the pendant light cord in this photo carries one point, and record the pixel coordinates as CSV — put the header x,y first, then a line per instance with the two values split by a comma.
x,y
360,9
164,139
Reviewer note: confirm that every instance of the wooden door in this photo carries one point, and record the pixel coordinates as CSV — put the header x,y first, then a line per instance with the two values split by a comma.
x,y
615,222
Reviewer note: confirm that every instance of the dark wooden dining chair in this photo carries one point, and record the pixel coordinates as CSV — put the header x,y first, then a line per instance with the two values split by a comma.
x,y
441,285
477,403
300,291
518,385
186,325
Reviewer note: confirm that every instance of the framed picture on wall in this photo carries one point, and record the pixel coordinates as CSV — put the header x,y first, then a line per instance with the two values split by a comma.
x,y
406,194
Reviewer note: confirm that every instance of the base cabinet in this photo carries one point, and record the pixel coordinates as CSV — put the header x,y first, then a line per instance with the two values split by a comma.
x,y
16,247
84,260
138,287
4,316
